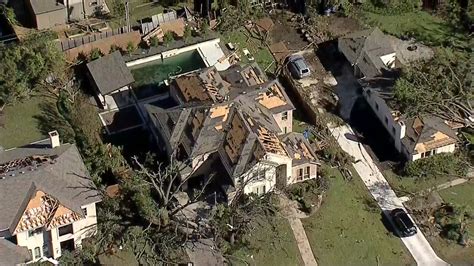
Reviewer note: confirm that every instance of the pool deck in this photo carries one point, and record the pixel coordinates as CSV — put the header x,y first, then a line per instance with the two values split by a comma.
x,y
213,55
210,51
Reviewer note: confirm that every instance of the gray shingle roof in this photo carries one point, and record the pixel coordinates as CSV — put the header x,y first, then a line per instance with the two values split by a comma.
x,y
364,49
45,6
11,254
430,125
65,178
110,73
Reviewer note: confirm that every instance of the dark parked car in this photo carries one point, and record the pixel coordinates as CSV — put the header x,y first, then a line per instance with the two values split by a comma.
x,y
298,67
402,221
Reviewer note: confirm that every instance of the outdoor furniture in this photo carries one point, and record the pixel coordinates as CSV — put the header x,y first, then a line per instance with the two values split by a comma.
x,y
247,54
230,46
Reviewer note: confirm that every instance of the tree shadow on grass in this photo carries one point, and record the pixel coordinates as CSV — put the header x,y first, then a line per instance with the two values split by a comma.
x,y
50,119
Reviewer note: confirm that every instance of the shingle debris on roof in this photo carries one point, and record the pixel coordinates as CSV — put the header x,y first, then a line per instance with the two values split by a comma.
x,y
63,176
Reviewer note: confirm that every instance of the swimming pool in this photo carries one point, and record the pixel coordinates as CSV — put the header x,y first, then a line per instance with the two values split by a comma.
x,y
149,76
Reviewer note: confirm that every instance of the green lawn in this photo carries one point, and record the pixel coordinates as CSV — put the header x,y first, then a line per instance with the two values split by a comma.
x,y
406,185
21,127
343,232
426,27
258,50
270,246
139,9
450,251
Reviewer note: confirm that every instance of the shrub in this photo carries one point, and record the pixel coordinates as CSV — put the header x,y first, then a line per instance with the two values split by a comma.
x,y
453,221
187,33
168,38
306,193
96,53
154,41
130,47
437,165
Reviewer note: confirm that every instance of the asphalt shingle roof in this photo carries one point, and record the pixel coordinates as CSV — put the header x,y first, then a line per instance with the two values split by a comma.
x,y
65,178
364,49
110,73
45,6
11,254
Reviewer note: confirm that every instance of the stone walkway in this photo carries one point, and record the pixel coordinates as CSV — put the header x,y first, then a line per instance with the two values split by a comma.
x,y
451,183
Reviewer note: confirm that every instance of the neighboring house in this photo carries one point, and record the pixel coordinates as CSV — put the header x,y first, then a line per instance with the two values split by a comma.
x,y
304,161
11,254
111,79
47,205
47,13
229,123
414,138
50,13
369,52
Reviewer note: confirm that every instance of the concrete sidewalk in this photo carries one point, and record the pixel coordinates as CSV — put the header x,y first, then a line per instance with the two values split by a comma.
x,y
383,194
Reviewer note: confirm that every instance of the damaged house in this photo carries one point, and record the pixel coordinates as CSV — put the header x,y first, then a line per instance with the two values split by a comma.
x,y
237,125
413,137
47,205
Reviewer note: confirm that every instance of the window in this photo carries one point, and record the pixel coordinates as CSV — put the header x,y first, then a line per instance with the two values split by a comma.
x,y
64,230
259,190
35,232
300,174
393,131
377,106
284,116
386,120
259,175
427,154
285,130
306,172
84,210
37,253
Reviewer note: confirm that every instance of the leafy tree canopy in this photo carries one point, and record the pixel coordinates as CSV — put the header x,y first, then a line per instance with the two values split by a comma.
x,y
26,65
442,87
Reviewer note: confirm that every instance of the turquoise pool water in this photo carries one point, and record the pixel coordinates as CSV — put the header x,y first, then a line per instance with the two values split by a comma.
x,y
151,75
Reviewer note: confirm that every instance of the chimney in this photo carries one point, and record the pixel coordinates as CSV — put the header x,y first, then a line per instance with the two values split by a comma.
x,y
403,129
54,138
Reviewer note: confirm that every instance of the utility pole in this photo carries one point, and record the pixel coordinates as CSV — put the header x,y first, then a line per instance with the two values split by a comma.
x,y
127,15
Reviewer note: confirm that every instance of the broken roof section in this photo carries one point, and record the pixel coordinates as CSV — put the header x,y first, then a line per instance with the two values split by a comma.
x,y
230,112
365,49
425,133
217,87
57,173
299,149
110,73
246,142
273,97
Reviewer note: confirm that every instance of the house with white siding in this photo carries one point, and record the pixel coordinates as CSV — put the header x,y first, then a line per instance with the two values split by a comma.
x,y
413,137
235,123
47,203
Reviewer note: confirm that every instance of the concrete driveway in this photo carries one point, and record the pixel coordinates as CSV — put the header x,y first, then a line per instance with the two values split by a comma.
x,y
384,195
